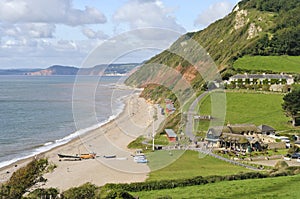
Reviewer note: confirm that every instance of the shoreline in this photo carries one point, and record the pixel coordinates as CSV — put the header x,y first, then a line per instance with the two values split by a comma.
x,y
110,138
22,161
48,145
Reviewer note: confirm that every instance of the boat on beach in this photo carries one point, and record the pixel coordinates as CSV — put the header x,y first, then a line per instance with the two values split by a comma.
x,y
78,156
88,156
109,156
68,156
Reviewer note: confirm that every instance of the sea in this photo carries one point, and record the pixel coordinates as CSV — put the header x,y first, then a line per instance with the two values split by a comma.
x,y
38,113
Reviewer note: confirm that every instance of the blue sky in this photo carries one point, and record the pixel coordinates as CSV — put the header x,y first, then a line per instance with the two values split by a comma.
x,y
38,34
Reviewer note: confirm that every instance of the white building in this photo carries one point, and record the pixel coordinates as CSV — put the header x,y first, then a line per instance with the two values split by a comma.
x,y
267,79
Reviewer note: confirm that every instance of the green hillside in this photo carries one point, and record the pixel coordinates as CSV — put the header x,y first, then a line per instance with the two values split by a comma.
x,y
286,64
250,108
279,187
254,27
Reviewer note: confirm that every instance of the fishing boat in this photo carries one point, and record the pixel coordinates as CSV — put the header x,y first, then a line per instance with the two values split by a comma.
x,y
109,156
88,156
68,156
78,156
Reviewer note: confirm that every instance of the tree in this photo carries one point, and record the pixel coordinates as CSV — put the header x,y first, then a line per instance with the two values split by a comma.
x,y
291,104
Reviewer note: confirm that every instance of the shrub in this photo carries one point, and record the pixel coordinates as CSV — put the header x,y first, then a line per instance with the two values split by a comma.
x,y
156,185
43,193
114,193
85,191
23,179
281,165
213,179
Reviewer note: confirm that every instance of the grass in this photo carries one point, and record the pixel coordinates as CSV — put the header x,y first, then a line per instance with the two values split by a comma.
x,y
137,143
254,108
189,164
287,64
279,187
162,158
161,139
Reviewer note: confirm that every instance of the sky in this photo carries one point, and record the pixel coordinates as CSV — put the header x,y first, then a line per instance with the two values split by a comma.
x,y
41,33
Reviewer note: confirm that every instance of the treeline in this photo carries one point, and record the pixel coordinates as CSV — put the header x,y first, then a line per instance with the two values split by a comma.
x,y
271,5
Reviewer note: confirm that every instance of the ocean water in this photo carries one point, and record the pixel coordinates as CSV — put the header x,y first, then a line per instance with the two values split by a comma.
x,y
39,113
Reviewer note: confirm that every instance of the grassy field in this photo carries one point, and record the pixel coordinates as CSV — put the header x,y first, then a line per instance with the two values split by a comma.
x,y
255,108
287,64
280,187
190,164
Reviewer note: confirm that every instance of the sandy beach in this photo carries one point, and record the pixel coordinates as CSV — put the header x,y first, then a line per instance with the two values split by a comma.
x,y
110,139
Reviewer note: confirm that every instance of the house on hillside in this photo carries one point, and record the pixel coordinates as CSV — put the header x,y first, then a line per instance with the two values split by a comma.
x,y
266,130
171,135
262,79
237,136
213,135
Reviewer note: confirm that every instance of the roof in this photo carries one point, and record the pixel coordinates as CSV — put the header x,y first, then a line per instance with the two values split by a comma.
x,y
170,133
235,129
261,76
240,128
229,137
265,128
218,130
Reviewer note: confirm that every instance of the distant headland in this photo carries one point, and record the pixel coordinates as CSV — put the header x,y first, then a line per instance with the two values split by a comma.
x,y
103,69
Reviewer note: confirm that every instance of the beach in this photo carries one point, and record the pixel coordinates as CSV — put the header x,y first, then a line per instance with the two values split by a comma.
x,y
110,139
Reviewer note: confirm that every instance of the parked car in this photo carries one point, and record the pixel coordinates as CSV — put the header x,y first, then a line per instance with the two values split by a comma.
x,y
295,155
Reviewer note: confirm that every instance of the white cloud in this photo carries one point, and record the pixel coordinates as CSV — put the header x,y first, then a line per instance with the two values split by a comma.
x,y
91,34
41,53
132,44
39,33
146,13
48,11
214,12
28,30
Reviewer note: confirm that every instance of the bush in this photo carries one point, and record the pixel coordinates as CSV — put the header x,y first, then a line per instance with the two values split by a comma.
x,y
114,194
156,185
23,179
85,191
281,165
43,193
213,179
266,88
170,184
